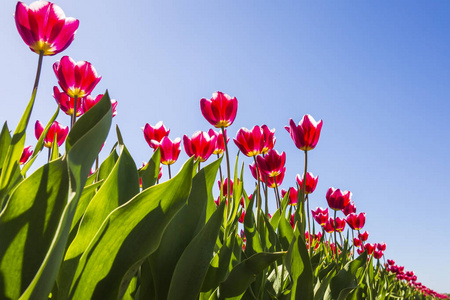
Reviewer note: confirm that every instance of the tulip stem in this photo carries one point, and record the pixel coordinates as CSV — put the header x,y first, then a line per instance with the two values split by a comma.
x,y
198,169
335,240
74,114
170,174
306,195
278,195
38,72
49,154
258,196
265,196
353,244
220,169
228,183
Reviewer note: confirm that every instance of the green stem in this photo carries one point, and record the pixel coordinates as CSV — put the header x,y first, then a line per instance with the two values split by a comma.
x,y
74,114
228,183
220,169
170,174
266,196
278,195
306,195
38,72
258,196
335,240
49,154
353,244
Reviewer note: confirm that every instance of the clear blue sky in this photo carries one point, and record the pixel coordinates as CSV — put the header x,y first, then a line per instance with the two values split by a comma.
x,y
377,74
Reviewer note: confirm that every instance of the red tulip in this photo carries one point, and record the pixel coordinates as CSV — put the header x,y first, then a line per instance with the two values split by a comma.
x,y
76,78
291,220
369,247
44,27
293,193
55,129
26,153
381,246
155,133
272,164
220,110
89,102
250,142
350,208
329,225
242,216
391,262
355,221
364,236
338,199
340,224
320,215
200,145
272,182
220,145
66,103
169,150
360,251
311,182
357,242
225,186
306,134
269,139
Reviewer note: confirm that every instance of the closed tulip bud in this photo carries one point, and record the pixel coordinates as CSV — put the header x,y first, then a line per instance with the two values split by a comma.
x,y
155,133
338,199
311,182
293,193
220,111
55,129
220,145
250,142
355,221
200,145
44,27
169,150
350,208
66,103
26,153
306,134
272,164
77,79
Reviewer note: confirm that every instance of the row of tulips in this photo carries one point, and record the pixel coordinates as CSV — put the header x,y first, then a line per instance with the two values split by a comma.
x,y
68,231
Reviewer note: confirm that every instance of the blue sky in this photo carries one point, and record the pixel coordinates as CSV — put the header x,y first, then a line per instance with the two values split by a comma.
x,y
377,74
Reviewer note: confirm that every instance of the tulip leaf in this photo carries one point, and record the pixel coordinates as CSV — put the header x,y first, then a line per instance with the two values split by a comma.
x,y
253,244
11,160
299,266
82,145
150,172
5,141
245,273
195,260
286,233
129,235
183,228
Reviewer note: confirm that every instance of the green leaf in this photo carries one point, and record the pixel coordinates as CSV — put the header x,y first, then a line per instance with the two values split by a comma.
x,y
245,273
5,141
149,174
129,235
253,244
286,233
182,229
195,260
299,266
82,145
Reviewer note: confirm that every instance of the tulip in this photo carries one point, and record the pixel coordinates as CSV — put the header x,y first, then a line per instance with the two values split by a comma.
x,y
306,134
364,236
360,251
26,153
272,182
269,139
320,215
66,103
89,102
44,27
155,133
311,182
220,111
200,145
242,216
293,193
329,225
350,208
378,254
55,129
338,199
77,79
291,220
225,186
272,164
355,221
169,150
381,246
391,262
220,144
340,224
250,142
357,242
369,247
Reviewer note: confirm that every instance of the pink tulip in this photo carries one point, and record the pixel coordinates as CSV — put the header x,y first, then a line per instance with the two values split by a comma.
x,y
364,236
89,102
200,145
355,221
338,199
306,134
311,182
350,208
77,79
220,145
55,129
250,142
155,133
272,164
26,153
44,27
169,150
220,111
293,193
269,139
66,103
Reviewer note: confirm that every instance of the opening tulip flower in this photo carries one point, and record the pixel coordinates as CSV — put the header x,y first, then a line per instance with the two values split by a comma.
x,y
293,193
338,199
220,111
89,102
66,103
311,182
44,27
220,144
355,221
26,153
269,139
306,134
320,215
363,236
169,150
56,129
155,133
250,142
272,182
272,164
77,79
200,145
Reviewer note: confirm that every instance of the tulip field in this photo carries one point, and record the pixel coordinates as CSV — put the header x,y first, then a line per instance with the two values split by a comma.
x,y
77,227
